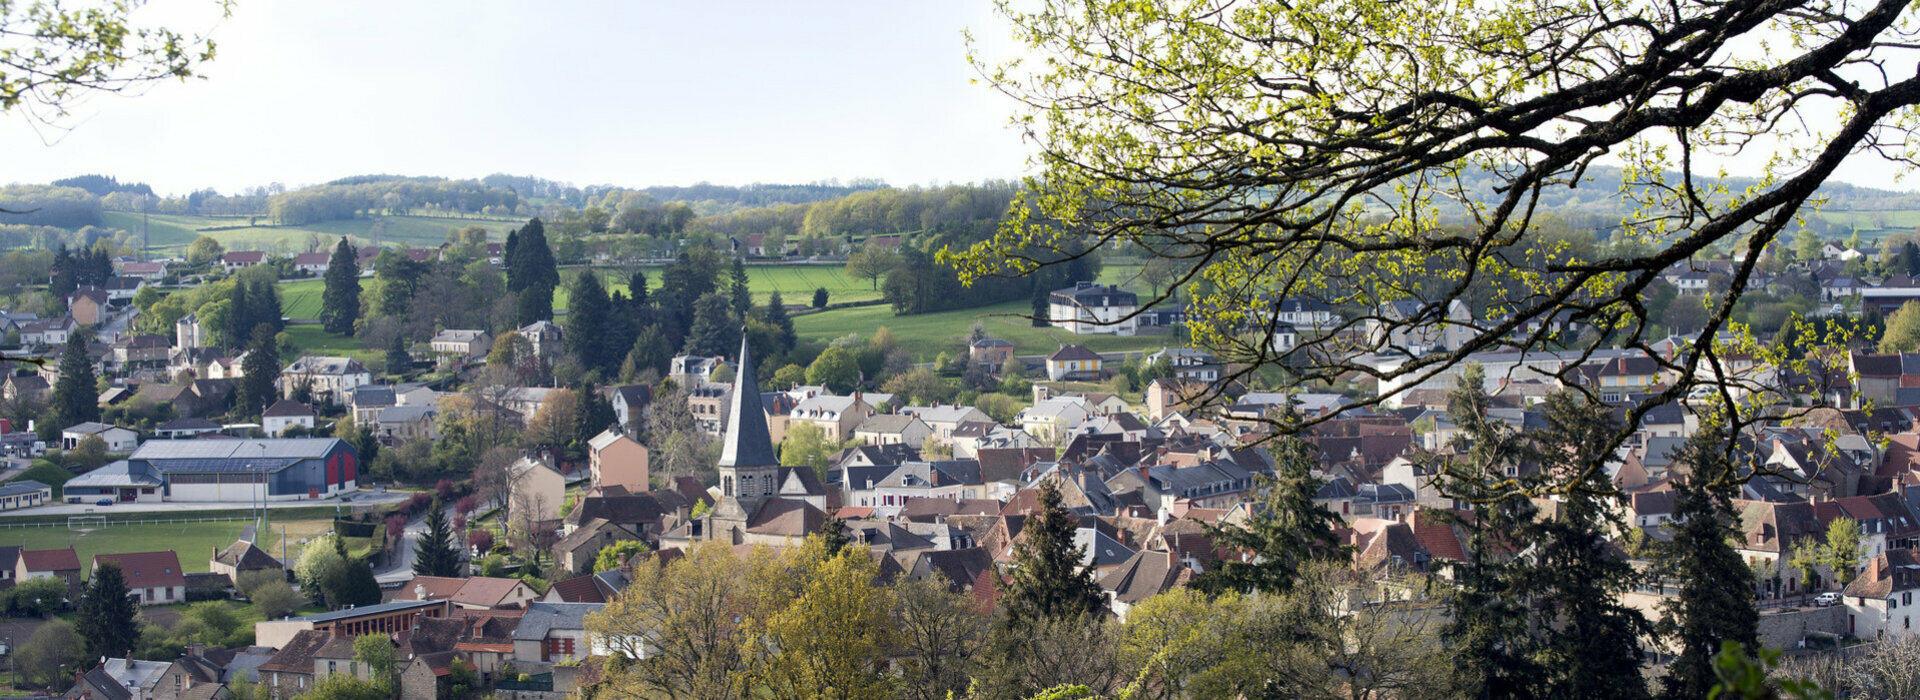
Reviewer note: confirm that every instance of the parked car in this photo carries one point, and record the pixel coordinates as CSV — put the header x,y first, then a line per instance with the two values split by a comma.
x,y
104,502
1827,600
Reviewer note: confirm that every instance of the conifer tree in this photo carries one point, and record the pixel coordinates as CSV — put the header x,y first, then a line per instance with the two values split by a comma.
x,y
1589,642
108,615
637,288
398,359
340,302
434,553
239,315
1715,604
587,316
1048,579
75,397
1489,631
534,303
820,298
776,316
1040,305
258,370
263,301
714,330
650,350
742,292
532,262
595,414
353,584
1288,533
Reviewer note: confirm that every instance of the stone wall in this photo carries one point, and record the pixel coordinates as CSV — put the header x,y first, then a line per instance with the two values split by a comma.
x,y
1784,628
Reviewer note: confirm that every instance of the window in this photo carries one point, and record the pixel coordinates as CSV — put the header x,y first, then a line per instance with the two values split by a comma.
x,y
332,666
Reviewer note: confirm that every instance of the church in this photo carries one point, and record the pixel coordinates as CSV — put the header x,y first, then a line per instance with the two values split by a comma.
x,y
760,502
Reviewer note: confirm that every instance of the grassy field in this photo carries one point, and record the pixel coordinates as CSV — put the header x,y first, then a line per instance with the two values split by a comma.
x,y
314,340
928,335
193,541
795,283
172,234
1875,225
301,298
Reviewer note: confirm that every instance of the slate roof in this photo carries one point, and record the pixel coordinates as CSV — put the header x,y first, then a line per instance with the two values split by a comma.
x,y
621,510
287,408
1145,575
887,424
364,610
106,685
747,442
367,396
1073,353
541,618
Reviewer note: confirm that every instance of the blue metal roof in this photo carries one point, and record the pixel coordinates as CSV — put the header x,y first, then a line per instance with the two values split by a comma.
x,y
365,610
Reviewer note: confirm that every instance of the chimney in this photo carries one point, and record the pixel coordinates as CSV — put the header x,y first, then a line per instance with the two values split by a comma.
x,y
1146,474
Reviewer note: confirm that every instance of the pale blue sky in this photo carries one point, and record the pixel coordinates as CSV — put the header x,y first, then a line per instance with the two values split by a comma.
x,y
590,92
626,93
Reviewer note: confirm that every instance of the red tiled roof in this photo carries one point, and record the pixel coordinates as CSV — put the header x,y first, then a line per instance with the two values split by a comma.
x,y
51,559
1438,536
580,589
146,569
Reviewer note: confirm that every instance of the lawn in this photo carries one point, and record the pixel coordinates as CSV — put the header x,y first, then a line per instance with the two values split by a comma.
x,y
794,282
928,335
1875,225
314,340
194,542
301,298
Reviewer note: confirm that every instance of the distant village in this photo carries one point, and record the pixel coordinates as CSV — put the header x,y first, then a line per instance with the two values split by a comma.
x,y
933,490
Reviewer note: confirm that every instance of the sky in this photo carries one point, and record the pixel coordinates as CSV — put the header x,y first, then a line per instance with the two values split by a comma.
x,y
622,93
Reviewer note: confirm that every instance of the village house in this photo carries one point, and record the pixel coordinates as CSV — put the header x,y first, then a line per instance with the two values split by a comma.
x,y
334,377
458,347
544,336
893,429
1090,307
554,632
153,578
1880,600
118,440
241,259
312,263
138,351
87,306
399,424
838,416
990,352
472,593
284,414
50,563
534,491
25,493
617,460
239,558
1074,362
47,332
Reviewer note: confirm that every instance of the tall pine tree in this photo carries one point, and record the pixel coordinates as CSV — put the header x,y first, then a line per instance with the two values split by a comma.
x,y
714,330
1590,642
1048,579
1284,536
742,292
586,324
1489,632
75,397
258,370
434,554
240,314
1715,604
108,615
776,316
637,288
340,302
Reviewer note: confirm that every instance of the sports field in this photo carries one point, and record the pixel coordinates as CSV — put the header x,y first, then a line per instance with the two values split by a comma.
x,y
194,542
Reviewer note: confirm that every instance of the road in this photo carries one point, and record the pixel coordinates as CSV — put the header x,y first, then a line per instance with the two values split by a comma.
x,y
116,324
402,568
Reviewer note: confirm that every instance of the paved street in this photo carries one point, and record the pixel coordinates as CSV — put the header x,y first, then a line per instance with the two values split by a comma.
x,y
402,568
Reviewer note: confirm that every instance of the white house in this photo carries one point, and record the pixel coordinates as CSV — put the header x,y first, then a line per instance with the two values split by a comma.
x,y
284,414
1880,600
1305,313
1090,307
1051,418
332,376
119,440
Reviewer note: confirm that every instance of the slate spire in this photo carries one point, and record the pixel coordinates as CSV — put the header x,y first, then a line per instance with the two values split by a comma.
x,y
747,444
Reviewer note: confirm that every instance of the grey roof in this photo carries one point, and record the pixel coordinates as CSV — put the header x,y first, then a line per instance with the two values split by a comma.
x,y
287,408
266,448
90,428
747,442
365,610
373,396
403,414
187,424
541,618
117,474
13,488
886,423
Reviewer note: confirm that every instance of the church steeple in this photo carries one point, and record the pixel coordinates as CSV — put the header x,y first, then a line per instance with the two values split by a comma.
x,y
748,467
748,444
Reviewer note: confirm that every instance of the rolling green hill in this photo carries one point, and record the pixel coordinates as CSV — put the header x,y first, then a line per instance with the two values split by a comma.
x,y
172,234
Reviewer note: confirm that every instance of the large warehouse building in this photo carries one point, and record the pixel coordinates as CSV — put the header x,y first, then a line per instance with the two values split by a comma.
x,y
230,471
